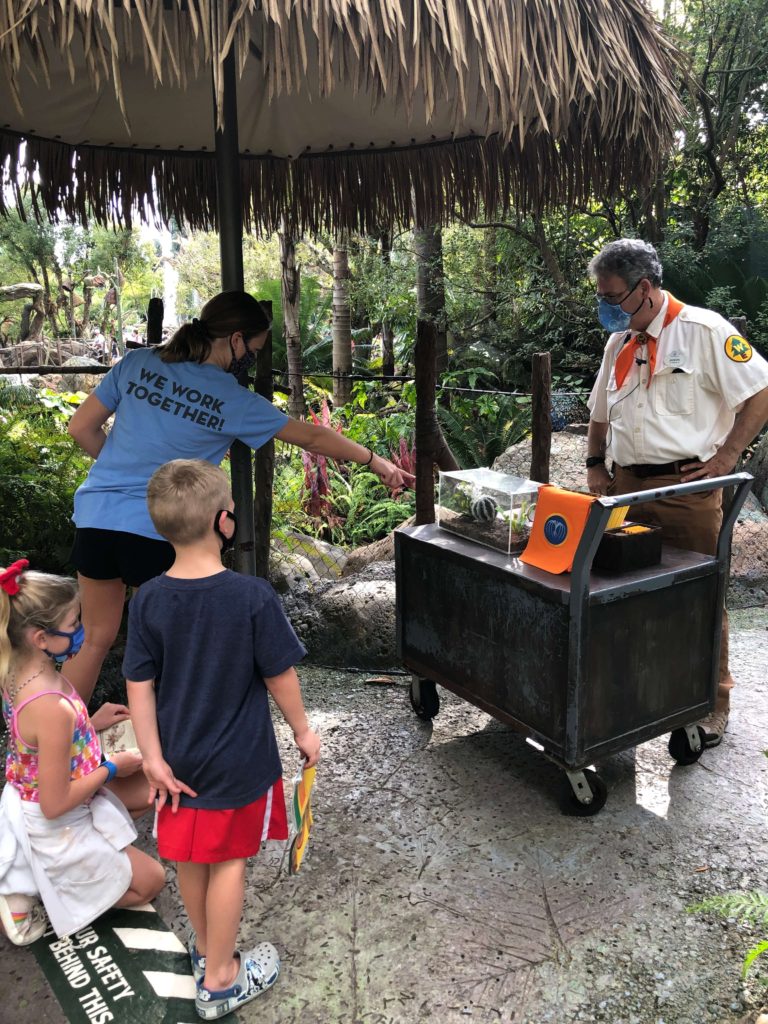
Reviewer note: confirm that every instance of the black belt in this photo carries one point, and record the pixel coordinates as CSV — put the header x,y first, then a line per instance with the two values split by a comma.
x,y
647,469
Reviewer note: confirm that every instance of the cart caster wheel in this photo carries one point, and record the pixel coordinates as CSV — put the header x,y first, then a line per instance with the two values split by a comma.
x,y
424,699
681,747
573,806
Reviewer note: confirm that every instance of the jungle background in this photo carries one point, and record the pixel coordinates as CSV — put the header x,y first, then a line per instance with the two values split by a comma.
x,y
499,291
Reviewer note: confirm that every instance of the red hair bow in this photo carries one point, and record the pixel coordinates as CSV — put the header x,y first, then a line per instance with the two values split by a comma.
x,y
9,578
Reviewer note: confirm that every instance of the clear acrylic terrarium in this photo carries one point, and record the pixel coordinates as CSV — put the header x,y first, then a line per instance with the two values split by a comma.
x,y
487,507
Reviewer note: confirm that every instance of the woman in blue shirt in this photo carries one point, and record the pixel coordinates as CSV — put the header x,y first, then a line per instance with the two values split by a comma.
x,y
179,401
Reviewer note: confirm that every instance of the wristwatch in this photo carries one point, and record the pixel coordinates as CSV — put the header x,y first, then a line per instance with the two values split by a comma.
x,y
594,460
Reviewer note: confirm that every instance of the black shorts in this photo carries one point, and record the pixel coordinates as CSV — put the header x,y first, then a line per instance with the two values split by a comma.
x,y
116,555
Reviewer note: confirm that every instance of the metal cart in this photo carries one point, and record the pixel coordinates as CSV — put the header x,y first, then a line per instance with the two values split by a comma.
x,y
585,664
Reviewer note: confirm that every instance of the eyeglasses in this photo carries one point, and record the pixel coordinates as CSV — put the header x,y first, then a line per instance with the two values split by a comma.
x,y
613,299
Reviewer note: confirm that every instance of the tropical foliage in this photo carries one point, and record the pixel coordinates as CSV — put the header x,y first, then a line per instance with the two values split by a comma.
x,y
512,287
40,469
77,269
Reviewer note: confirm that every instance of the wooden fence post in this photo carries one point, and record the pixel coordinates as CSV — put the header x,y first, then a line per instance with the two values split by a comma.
x,y
155,314
541,416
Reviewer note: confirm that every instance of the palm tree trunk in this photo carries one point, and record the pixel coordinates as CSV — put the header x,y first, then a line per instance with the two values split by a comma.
x,y
341,328
431,447
430,287
490,281
38,320
290,290
86,310
387,334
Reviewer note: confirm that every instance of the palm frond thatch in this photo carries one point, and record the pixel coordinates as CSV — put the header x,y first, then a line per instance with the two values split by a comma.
x,y
499,103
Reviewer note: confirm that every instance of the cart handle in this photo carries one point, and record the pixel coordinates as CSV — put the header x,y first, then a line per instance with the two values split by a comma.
x,y
602,508
743,480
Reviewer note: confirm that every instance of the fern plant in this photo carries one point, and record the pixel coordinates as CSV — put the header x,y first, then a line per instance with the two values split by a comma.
x,y
367,508
480,430
751,908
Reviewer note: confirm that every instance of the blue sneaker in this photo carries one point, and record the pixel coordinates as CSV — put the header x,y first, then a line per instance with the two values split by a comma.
x,y
259,970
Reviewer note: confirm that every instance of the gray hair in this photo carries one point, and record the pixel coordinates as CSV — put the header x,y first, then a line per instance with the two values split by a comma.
x,y
630,259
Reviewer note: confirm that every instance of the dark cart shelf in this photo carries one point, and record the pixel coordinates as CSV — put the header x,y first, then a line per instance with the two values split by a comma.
x,y
586,664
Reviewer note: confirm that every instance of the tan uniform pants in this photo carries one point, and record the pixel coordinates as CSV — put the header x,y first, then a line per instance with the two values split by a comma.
x,y
692,522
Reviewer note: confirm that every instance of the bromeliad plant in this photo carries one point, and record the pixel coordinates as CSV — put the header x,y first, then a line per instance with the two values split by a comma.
x,y
350,505
317,485
404,457
345,504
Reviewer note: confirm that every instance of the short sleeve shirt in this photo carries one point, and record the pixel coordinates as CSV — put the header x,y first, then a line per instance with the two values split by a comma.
x,y
164,411
704,373
209,644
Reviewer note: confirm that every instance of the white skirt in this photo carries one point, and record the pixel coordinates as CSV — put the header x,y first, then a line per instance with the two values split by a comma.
x,y
82,856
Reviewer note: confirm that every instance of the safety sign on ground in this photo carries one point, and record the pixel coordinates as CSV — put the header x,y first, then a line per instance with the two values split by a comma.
x,y
126,968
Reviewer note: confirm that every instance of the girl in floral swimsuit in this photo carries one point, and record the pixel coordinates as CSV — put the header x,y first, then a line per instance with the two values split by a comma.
x,y
66,838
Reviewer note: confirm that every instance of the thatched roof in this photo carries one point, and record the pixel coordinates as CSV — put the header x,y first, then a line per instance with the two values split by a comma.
x,y
346,107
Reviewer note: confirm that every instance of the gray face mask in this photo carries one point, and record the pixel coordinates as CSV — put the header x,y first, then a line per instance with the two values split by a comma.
x,y
245,362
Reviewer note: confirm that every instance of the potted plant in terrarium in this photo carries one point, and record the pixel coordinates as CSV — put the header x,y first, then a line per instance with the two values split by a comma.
x,y
487,507
520,521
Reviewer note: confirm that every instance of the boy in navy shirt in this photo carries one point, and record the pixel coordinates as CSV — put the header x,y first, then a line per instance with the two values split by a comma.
x,y
205,646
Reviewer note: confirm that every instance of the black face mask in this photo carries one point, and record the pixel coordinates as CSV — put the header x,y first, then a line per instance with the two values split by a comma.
x,y
245,362
226,542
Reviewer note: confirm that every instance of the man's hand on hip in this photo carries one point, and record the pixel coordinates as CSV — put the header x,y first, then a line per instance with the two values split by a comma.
x,y
721,464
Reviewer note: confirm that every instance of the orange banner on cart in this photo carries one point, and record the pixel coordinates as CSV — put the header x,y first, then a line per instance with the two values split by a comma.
x,y
557,528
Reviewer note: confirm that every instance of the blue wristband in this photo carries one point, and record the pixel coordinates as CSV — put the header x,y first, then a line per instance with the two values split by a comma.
x,y
111,769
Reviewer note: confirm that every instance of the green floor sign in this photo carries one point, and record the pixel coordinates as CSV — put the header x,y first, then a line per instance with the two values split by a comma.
x,y
126,968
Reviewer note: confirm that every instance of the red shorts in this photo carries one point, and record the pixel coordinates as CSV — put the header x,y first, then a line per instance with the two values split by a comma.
x,y
210,836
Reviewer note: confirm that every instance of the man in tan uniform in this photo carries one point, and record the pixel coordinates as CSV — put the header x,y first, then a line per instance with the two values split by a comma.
x,y
678,397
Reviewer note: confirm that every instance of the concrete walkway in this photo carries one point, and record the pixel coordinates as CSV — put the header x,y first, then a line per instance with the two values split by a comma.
x,y
443,884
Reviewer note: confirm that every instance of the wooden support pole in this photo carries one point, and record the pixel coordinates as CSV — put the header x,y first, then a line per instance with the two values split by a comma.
x,y
541,416
230,217
426,380
264,463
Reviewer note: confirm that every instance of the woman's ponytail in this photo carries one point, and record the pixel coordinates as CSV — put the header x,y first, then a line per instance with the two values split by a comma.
x,y
190,344
221,316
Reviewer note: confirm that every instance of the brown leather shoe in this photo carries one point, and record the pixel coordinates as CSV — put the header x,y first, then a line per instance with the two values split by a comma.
x,y
714,725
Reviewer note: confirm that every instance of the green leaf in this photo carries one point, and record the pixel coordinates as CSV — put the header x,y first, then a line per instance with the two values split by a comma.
x,y
752,955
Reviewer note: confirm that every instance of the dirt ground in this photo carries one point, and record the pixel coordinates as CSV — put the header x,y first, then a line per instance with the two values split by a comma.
x,y
443,884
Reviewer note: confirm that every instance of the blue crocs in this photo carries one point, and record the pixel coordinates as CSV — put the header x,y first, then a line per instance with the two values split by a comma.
x,y
259,970
197,961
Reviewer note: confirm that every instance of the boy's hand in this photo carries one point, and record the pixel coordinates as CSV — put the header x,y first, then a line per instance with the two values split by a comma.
x,y
127,762
163,784
308,743
109,715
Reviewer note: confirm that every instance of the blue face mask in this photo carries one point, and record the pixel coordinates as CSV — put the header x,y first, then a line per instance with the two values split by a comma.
x,y
612,317
75,643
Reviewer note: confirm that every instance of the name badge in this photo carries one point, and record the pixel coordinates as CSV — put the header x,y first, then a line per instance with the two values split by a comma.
x,y
674,358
